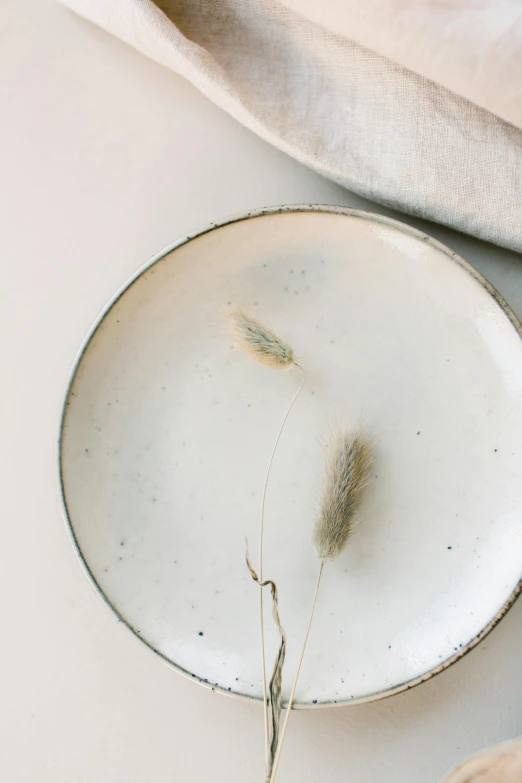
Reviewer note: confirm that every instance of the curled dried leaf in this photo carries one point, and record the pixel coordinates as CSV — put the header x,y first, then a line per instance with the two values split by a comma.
x,y
276,681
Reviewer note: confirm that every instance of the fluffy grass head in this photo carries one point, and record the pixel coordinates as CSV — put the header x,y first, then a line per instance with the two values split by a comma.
x,y
348,464
260,343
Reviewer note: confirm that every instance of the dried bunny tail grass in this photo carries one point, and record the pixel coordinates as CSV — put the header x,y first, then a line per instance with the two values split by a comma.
x,y
260,343
348,466
264,346
347,473
276,681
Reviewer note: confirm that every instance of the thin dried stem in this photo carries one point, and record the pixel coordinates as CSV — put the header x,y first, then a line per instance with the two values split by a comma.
x,y
260,568
296,678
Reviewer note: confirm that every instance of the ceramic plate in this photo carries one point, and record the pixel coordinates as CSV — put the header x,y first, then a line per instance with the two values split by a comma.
x,y
168,428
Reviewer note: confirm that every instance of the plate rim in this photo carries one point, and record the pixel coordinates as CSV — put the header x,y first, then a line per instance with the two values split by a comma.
x,y
237,218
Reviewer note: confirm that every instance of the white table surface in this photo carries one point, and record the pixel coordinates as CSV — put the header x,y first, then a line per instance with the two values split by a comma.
x,y
106,158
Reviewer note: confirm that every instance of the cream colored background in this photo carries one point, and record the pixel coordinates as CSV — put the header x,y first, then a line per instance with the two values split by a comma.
x,y
105,158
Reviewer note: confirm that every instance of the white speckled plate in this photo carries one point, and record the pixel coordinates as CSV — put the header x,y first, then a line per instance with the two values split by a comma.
x,y
167,430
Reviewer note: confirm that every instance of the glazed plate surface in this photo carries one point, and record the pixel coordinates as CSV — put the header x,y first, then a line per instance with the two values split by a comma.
x,y
168,428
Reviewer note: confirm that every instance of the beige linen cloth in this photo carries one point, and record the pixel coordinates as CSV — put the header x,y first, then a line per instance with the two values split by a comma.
x,y
415,104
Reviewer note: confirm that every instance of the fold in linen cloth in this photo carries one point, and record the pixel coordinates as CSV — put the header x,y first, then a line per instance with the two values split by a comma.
x,y
472,47
382,130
